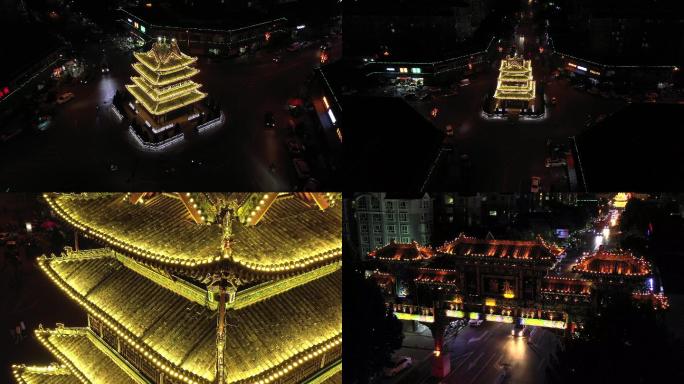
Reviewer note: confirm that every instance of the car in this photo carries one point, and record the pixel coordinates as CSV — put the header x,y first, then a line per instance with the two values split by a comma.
x,y
555,162
465,82
302,168
294,146
64,97
43,122
296,46
475,322
518,330
269,120
104,68
536,184
398,366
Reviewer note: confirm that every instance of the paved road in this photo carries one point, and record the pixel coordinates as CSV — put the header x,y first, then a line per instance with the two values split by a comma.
x,y
83,143
478,355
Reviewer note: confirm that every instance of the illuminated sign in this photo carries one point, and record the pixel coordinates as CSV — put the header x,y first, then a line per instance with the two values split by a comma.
x,y
416,70
390,69
581,68
332,116
301,26
562,233
474,316
499,318
135,24
142,28
594,72
457,314
415,316
572,65
403,70
130,21
339,134
543,323
490,302
325,101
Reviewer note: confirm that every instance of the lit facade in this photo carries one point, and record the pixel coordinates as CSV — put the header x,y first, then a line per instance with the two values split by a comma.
x,y
515,86
198,288
383,217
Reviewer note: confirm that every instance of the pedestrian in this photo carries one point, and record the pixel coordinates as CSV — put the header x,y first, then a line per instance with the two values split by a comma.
x,y
17,331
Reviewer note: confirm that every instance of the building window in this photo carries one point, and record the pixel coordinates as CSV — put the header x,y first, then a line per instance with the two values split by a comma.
x,y
403,205
404,229
375,203
378,241
364,228
364,218
403,217
363,203
422,217
405,240
390,217
364,239
388,206
391,228
377,218
376,228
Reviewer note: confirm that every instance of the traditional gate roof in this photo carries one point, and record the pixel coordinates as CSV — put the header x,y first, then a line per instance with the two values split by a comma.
x,y
617,262
402,252
537,249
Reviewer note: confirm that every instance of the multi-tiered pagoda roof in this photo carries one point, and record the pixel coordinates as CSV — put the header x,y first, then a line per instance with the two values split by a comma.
x,y
515,80
154,309
164,84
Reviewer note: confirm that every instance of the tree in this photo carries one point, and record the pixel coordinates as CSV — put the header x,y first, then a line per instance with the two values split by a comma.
x,y
371,331
625,342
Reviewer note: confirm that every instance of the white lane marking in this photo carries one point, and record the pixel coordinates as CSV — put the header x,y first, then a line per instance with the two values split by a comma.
x,y
485,365
473,339
541,363
466,356
474,362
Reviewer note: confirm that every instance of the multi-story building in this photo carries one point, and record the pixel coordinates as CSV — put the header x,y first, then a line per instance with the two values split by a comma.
x,y
385,217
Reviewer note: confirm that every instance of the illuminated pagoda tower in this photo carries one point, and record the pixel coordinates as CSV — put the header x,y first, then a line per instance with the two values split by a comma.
x,y
164,88
197,288
515,88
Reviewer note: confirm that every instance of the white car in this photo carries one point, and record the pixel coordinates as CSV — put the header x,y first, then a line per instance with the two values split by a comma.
x,y
398,366
475,322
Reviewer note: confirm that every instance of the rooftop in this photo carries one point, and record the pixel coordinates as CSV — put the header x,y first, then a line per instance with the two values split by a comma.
x,y
615,262
517,249
402,252
291,233
178,328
